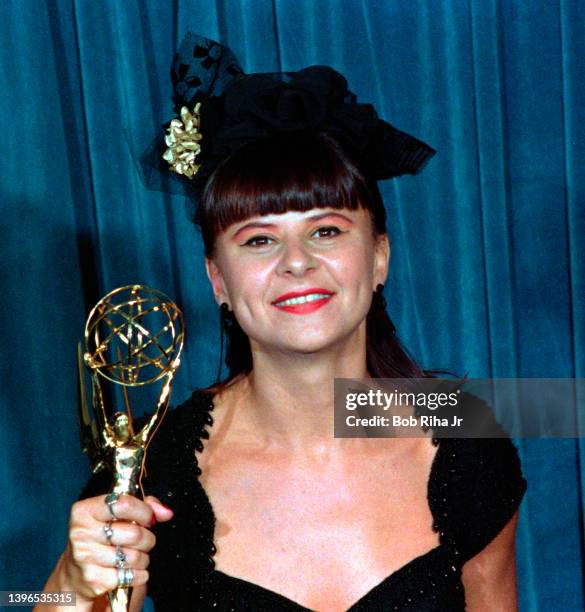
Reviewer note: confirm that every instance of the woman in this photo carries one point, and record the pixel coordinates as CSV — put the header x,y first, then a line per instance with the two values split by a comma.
x,y
272,512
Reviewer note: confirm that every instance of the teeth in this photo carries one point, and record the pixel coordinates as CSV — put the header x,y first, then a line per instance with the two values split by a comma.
x,y
303,299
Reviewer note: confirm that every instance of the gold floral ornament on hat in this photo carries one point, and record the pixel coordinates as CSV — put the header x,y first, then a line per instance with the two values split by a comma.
x,y
182,139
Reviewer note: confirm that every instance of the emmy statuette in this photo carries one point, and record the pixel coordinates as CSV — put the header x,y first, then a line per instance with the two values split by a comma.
x,y
133,337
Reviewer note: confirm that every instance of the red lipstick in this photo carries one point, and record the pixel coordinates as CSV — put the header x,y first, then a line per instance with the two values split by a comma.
x,y
304,307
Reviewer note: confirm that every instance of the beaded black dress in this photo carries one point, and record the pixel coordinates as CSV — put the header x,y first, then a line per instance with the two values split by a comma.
x,y
474,488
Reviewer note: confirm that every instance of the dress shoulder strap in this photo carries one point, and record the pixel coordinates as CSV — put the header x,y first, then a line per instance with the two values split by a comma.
x,y
476,487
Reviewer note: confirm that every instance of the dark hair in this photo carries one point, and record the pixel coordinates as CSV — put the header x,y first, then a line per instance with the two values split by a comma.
x,y
289,171
298,171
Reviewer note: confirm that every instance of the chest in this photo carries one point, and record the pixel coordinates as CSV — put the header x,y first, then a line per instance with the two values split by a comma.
x,y
321,534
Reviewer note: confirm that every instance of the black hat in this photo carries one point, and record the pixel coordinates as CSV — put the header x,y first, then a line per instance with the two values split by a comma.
x,y
221,109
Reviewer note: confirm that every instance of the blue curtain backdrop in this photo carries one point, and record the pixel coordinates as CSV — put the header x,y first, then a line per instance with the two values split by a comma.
x,y
488,244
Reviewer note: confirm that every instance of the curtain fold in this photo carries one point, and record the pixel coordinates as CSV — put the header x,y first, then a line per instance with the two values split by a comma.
x,y
488,243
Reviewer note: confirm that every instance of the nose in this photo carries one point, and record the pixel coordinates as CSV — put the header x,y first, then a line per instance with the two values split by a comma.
x,y
296,259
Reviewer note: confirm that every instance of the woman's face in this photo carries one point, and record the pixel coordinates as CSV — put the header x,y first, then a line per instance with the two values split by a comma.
x,y
300,281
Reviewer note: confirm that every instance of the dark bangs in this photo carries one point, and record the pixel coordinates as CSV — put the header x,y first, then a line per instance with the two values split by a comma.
x,y
297,171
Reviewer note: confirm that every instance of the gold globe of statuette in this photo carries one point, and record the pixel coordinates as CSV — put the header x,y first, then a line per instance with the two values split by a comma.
x,y
133,336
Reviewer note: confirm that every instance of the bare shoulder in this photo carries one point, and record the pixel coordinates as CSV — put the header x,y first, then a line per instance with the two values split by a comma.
x,y
489,577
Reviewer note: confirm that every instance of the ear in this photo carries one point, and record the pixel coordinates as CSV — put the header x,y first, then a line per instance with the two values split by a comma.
x,y
381,260
216,279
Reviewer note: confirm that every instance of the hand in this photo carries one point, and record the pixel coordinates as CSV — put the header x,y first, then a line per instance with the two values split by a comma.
x,y
89,563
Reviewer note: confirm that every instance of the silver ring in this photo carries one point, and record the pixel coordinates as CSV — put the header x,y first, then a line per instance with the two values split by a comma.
x,y
111,500
125,577
109,532
120,558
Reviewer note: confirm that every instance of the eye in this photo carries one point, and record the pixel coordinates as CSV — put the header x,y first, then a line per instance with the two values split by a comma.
x,y
329,231
258,241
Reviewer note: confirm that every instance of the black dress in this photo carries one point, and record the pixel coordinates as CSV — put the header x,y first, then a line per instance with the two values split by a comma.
x,y
475,486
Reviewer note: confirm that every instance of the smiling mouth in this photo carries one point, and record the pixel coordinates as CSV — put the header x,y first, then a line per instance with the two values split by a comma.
x,y
304,299
303,304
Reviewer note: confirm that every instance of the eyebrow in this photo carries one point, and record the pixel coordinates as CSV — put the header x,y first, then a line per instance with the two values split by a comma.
x,y
264,225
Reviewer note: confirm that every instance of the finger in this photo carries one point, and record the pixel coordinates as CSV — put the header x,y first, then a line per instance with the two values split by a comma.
x,y
162,513
126,508
99,580
111,577
106,557
127,535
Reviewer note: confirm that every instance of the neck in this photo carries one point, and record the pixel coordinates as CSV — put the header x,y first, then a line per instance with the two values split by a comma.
x,y
289,396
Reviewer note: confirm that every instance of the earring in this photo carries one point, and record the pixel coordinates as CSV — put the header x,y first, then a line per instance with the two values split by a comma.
x,y
226,316
379,305
379,299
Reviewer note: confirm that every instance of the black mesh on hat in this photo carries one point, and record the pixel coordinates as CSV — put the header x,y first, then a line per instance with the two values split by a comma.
x,y
237,109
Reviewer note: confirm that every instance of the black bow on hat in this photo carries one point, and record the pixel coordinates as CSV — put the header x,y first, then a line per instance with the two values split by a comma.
x,y
223,109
